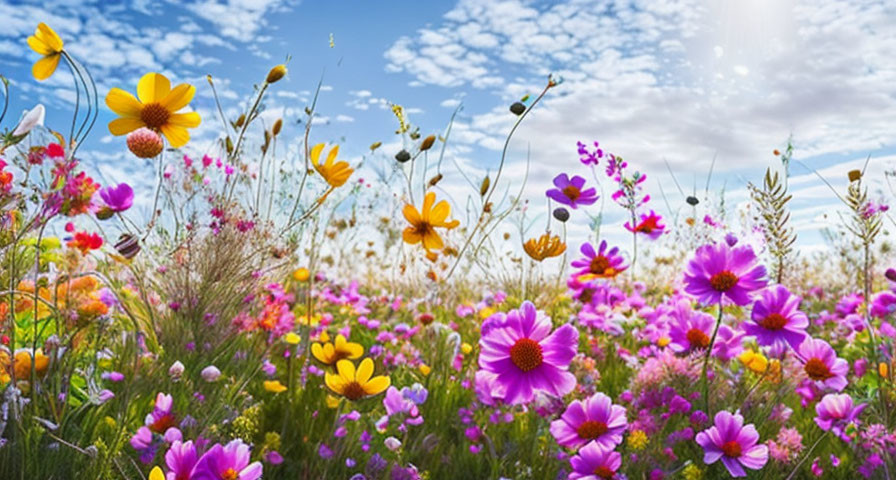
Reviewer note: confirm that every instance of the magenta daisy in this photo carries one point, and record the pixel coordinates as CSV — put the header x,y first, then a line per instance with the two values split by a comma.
x,y
594,420
570,191
603,263
835,412
776,319
650,225
734,443
595,463
526,357
822,365
718,271
229,462
689,330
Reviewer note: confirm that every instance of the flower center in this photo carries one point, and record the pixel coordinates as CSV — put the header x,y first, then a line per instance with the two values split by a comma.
x,y
723,281
600,265
154,115
591,429
818,370
163,423
731,449
423,229
604,471
353,391
572,192
774,321
526,354
698,338
230,474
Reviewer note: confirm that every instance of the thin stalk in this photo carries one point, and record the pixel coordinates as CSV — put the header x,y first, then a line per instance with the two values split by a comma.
x,y
706,362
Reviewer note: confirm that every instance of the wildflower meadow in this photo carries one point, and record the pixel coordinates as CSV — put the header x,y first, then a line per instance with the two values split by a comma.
x,y
301,314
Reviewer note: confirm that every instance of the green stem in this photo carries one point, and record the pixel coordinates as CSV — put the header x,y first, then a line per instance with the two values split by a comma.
x,y
706,362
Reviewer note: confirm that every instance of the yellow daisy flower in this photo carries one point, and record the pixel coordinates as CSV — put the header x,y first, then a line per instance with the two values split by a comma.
x,y
274,386
330,353
356,384
156,474
335,173
546,246
47,43
155,110
424,223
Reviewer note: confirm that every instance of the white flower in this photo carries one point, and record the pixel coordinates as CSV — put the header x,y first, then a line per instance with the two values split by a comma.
x,y
176,370
392,443
30,119
210,373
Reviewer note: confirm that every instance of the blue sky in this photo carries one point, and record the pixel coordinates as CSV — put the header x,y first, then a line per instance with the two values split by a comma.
x,y
681,81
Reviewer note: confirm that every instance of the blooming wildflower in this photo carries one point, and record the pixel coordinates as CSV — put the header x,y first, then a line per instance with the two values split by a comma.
x,y
787,446
156,474
356,384
330,353
637,439
689,330
570,191
718,271
47,43
230,462
274,386
118,198
334,173
650,225
527,357
734,443
755,361
181,459
30,119
155,110
836,412
822,365
546,246
602,263
594,420
424,223
593,462
589,157
210,373
776,318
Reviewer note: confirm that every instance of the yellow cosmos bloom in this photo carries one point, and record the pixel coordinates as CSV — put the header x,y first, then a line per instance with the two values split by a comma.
x,y
156,109
156,474
292,338
546,246
424,223
47,43
330,353
301,274
754,361
274,386
335,173
356,384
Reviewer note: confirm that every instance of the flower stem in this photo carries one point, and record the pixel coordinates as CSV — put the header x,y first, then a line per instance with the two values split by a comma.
x,y
706,361
808,454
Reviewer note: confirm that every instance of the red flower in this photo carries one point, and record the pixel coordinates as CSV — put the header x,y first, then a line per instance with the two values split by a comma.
x,y
85,241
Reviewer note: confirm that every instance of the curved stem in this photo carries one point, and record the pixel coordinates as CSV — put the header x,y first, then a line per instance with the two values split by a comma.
x,y
706,362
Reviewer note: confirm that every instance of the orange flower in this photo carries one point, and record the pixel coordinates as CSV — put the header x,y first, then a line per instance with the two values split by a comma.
x,y
424,223
546,246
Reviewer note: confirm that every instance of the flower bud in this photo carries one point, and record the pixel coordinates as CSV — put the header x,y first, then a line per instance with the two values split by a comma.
x,y
276,73
518,108
128,246
392,443
375,145
890,274
145,143
402,156
278,125
855,175
176,370
210,373
427,143
692,200
561,214
483,187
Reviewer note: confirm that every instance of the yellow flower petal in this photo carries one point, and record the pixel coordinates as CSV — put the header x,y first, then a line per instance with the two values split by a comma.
x,y
48,37
124,125
332,155
346,370
440,212
377,385
318,352
292,338
123,103
365,371
274,386
45,67
156,474
179,97
153,87
315,153
188,120
39,46
432,241
335,382
411,214
410,236
177,136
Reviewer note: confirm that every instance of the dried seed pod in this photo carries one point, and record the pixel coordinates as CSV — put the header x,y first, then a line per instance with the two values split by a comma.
x,y
427,143
402,156
855,175
276,73
518,108
228,143
375,145
434,180
692,200
483,187
278,125
240,121
561,214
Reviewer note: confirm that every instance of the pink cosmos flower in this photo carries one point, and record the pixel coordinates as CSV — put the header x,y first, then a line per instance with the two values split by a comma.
x,y
836,411
718,271
594,420
734,443
595,463
776,319
650,225
526,357
230,462
603,263
572,192
822,365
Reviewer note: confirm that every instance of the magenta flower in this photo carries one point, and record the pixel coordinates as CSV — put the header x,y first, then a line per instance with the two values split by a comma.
x,y
776,319
822,365
526,357
181,459
594,420
689,330
602,263
230,462
650,225
118,198
595,463
569,191
836,411
718,271
734,443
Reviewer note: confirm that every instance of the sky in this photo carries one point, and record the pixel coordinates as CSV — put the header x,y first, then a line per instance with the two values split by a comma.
x,y
677,82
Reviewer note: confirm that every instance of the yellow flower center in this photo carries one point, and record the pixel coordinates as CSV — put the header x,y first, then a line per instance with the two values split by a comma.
x,y
353,391
230,474
731,449
154,115
591,429
817,370
723,281
697,338
774,321
526,354
572,192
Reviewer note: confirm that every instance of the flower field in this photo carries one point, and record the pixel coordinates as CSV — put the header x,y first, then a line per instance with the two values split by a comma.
x,y
311,317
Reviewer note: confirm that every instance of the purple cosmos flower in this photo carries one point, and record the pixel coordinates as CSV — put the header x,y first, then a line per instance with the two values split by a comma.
x,y
650,225
718,271
776,319
595,463
526,357
159,427
118,198
733,442
689,330
594,420
602,263
181,459
230,462
822,365
569,192
836,411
